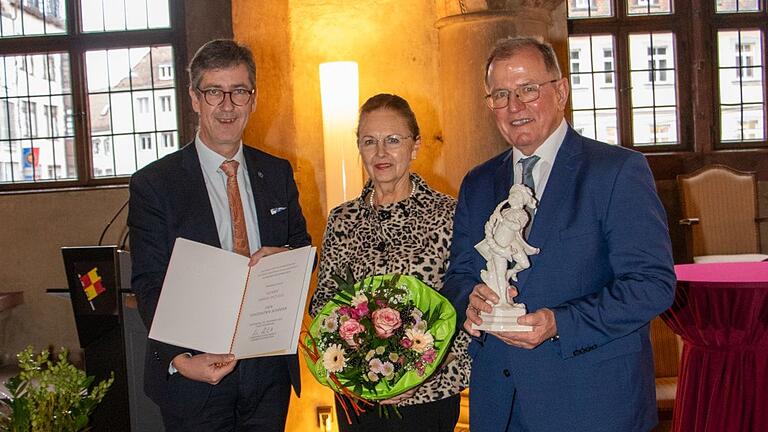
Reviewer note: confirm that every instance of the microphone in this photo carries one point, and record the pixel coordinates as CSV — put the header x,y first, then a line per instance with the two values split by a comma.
x,y
101,238
125,239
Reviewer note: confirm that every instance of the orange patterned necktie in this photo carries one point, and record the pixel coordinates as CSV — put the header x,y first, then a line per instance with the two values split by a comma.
x,y
239,231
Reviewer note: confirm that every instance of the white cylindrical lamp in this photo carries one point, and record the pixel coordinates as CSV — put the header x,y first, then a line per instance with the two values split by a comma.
x,y
340,99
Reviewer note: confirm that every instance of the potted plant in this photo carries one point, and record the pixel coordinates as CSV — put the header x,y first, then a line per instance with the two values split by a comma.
x,y
49,396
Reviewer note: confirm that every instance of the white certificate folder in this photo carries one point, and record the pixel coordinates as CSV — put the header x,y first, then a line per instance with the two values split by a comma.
x,y
213,302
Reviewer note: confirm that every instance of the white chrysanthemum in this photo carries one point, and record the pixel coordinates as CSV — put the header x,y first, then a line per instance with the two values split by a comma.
x,y
421,326
358,298
422,341
387,369
333,358
393,357
416,314
380,350
373,377
370,355
376,366
330,323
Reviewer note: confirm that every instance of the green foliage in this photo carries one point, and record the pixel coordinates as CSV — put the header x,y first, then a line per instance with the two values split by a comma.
x,y
49,396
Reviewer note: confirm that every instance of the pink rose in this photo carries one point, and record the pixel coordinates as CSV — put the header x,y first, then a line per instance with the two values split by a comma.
x,y
350,312
429,355
362,309
385,322
349,329
406,343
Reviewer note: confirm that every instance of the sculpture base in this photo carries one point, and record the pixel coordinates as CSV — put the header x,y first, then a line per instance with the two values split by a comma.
x,y
504,318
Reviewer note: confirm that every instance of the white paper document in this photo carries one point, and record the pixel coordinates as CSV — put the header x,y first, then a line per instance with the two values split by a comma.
x,y
213,302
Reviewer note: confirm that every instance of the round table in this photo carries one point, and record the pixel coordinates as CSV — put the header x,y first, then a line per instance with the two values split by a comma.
x,y
721,313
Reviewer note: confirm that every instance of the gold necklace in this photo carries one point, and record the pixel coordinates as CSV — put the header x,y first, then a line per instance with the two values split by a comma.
x,y
373,192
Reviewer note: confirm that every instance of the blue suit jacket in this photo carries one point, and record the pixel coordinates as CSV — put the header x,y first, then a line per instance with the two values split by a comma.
x,y
169,199
605,269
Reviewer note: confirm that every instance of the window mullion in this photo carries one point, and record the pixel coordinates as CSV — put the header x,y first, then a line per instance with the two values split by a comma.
x,y
620,6
73,17
685,74
623,81
80,118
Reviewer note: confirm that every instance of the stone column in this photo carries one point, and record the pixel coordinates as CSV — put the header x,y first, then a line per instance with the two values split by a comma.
x,y
467,31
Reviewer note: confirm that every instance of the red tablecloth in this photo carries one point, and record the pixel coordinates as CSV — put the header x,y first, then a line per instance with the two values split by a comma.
x,y
721,312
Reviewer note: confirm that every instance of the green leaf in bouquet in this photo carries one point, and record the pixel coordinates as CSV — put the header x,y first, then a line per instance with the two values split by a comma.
x,y
350,278
432,315
344,280
338,279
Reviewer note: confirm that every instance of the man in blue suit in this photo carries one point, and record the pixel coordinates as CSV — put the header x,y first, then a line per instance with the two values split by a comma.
x,y
604,271
222,193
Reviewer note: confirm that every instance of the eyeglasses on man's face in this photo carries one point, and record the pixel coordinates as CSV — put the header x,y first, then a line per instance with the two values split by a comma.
x,y
215,96
525,93
369,144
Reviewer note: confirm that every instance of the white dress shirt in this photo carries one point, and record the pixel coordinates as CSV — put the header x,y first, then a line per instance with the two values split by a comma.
x,y
547,151
216,183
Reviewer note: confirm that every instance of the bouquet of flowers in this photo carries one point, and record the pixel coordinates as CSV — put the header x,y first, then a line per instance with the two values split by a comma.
x,y
379,337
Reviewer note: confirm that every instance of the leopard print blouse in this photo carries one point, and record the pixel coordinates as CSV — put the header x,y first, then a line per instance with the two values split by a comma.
x,y
412,237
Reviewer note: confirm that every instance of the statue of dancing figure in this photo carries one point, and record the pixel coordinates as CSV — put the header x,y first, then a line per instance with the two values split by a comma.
x,y
504,241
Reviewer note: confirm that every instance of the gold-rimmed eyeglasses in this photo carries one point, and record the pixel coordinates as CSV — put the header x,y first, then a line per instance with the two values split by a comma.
x,y
215,96
391,142
527,93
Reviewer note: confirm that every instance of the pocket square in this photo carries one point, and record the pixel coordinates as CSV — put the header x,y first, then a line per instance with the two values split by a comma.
x,y
276,210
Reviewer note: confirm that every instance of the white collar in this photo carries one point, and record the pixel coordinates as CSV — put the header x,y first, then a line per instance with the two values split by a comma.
x,y
211,161
547,151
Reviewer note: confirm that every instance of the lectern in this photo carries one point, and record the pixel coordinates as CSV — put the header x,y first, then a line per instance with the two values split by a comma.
x,y
111,335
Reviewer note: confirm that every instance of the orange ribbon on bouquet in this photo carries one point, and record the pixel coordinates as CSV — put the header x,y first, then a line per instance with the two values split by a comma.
x,y
354,399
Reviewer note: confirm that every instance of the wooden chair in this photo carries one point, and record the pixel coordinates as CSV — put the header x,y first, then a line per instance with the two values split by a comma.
x,y
719,209
667,348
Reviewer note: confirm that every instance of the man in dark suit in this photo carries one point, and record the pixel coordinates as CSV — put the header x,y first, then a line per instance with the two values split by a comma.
x,y
604,271
220,192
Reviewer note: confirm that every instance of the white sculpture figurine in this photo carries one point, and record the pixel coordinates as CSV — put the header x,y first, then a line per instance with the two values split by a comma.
x,y
503,243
